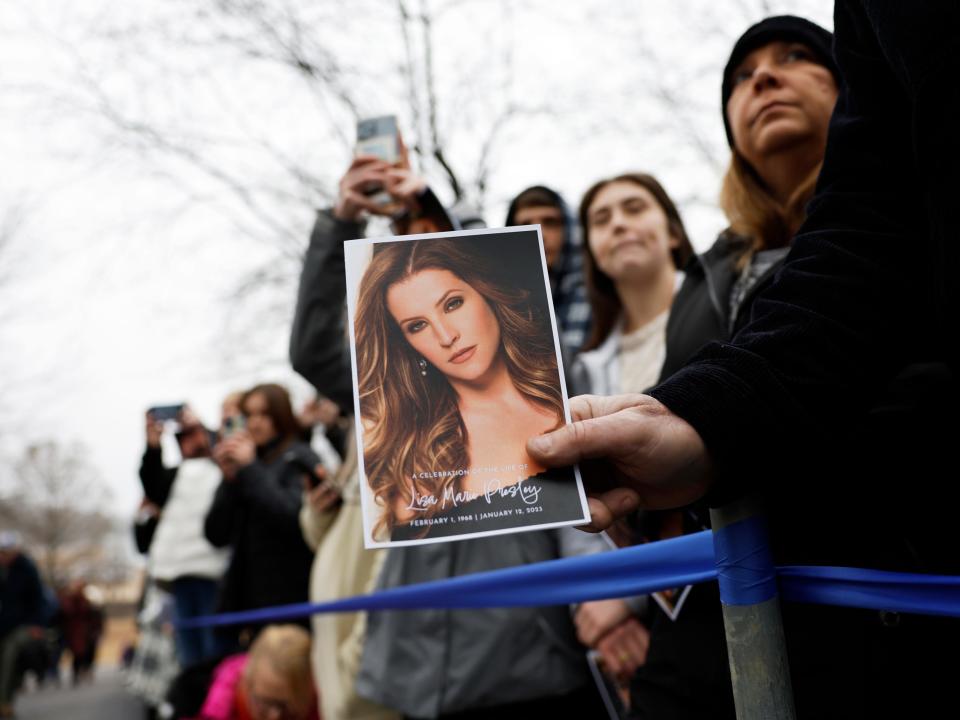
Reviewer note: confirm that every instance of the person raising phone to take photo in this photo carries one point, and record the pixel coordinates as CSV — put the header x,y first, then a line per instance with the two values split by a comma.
x,y
522,657
331,518
180,556
256,507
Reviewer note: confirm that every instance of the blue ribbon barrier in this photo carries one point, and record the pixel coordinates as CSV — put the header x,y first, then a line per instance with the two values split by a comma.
x,y
745,570
871,589
637,570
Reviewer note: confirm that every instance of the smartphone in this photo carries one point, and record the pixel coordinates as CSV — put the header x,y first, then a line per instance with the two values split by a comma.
x,y
163,413
233,424
306,462
378,136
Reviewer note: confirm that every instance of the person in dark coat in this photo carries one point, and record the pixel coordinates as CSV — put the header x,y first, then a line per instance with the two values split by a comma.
x,y
853,340
498,662
540,205
784,64
256,508
22,613
81,625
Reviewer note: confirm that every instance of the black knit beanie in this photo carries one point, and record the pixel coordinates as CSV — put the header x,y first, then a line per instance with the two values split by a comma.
x,y
771,29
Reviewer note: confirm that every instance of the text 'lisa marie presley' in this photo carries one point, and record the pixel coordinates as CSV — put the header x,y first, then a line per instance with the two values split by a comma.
x,y
528,492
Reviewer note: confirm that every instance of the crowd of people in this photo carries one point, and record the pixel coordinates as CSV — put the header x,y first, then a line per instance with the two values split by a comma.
x,y
39,622
266,510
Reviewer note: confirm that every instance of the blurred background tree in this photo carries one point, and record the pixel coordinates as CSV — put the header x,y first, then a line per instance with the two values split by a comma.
x,y
62,509
169,156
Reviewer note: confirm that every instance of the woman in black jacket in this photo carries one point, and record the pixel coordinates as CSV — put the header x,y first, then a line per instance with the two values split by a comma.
x,y
779,89
851,339
256,508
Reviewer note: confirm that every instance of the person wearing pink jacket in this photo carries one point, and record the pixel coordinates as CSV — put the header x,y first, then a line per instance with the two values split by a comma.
x,y
271,682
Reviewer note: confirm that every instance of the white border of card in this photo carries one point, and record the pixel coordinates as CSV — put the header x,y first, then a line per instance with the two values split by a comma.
x,y
357,256
670,604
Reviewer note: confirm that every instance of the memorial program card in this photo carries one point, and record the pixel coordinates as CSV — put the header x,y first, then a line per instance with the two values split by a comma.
x,y
456,364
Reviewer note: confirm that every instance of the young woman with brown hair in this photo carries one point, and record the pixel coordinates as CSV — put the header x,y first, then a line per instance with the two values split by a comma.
x,y
256,508
634,244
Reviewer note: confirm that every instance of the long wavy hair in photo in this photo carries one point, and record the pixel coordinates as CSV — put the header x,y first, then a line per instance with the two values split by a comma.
x,y
411,421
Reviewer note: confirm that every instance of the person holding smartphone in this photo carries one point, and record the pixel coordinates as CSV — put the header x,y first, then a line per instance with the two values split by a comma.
x,y
256,506
331,518
180,557
524,659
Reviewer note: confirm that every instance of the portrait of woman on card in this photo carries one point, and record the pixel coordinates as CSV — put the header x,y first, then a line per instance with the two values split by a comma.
x,y
456,368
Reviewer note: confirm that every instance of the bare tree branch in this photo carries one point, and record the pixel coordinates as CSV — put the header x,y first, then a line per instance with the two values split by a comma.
x,y
436,141
55,503
409,75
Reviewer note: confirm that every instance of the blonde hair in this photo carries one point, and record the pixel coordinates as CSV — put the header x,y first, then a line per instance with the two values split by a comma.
x,y
412,421
753,212
286,649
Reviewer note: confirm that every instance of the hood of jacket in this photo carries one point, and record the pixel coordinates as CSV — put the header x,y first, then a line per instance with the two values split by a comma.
x,y
567,280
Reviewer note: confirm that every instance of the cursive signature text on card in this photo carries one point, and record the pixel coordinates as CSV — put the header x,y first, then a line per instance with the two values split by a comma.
x,y
528,493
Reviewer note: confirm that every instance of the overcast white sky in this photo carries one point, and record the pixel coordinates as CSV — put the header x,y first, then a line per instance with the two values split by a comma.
x,y
116,290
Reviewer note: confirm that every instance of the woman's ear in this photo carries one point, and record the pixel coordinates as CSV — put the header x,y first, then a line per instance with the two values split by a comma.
x,y
674,242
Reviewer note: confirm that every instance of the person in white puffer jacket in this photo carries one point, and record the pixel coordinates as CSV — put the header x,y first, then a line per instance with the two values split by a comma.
x,y
181,559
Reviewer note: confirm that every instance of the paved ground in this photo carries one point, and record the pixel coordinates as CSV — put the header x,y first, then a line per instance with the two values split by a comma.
x,y
104,699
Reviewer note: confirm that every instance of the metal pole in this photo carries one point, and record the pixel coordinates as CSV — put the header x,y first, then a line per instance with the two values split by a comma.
x,y
751,613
